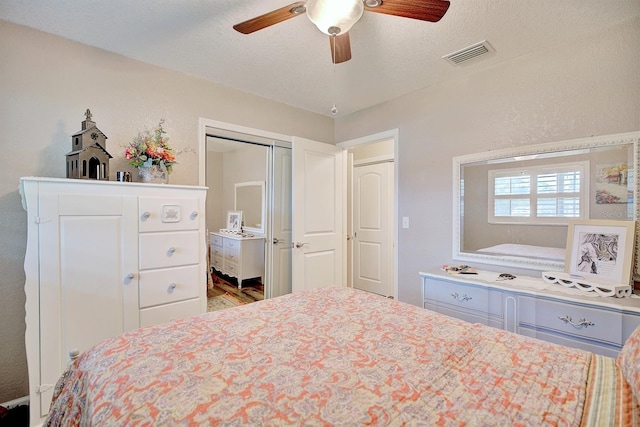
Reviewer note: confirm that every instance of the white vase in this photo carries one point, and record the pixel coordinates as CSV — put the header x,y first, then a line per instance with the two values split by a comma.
x,y
156,174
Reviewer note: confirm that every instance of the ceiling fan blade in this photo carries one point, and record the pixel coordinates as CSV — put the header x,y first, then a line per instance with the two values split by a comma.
x,y
424,10
271,18
340,48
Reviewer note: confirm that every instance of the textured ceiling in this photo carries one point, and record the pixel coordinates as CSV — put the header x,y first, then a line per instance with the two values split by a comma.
x,y
291,61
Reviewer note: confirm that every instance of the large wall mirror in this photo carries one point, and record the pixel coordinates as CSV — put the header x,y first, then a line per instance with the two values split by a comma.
x,y
249,198
511,207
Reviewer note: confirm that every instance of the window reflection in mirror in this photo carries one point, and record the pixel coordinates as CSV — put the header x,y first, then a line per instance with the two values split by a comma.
x,y
249,198
512,206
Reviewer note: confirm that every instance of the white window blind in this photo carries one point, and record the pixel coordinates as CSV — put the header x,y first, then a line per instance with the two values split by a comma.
x,y
549,194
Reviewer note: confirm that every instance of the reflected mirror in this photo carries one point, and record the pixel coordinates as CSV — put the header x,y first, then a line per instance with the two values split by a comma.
x,y
511,207
249,198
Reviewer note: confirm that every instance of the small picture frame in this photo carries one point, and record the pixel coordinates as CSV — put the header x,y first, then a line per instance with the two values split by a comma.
x,y
234,220
600,250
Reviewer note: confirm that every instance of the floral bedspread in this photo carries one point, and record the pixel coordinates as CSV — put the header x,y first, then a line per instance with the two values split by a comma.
x,y
333,356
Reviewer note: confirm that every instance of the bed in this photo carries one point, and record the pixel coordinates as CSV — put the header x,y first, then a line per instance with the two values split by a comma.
x,y
339,356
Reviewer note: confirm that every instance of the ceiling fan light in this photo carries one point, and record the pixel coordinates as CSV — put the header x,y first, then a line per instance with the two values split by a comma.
x,y
332,14
372,3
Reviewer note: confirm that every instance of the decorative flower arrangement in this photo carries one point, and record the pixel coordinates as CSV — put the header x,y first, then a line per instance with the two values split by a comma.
x,y
149,149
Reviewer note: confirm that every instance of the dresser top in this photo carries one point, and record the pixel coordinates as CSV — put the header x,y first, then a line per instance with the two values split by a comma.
x,y
45,180
538,287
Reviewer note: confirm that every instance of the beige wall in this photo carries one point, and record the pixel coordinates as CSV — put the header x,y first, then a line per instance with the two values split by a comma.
x,y
566,91
46,85
247,164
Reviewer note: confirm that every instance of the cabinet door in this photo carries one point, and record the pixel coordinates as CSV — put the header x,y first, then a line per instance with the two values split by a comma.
x,y
88,277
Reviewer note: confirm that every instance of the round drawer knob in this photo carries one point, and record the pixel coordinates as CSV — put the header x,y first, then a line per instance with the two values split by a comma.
x,y
130,276
146,215
171,250
194,215
172,286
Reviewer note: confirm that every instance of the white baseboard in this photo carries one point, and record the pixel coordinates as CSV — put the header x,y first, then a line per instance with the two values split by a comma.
x,y
16,402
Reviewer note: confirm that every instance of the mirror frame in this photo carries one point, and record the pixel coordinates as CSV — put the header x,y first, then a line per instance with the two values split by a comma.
x,y
262,200
574,144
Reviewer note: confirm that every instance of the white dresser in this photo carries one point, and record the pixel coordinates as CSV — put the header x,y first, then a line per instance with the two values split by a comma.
x,y
237,256
532,307
104,258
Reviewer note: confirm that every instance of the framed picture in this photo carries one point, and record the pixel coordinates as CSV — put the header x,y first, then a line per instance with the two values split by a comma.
x,y
234,220
600,250
614,183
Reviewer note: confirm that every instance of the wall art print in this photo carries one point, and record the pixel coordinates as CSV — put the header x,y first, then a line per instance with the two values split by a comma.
x,y
614,183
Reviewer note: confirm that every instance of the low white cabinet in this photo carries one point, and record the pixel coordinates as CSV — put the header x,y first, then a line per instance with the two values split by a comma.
x,y
238,256
531,307
104,258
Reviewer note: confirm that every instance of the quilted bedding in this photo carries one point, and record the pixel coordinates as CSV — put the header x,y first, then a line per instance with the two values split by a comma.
x,y
337,356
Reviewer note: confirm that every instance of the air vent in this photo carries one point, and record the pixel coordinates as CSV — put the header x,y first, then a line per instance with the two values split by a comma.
x,y
469,53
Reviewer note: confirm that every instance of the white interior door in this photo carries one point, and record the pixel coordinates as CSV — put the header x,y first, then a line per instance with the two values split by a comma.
x,y
319,203
282,227
372,228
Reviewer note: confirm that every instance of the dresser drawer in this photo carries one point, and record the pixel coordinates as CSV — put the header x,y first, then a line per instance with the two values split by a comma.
x,y
232,254
580,321
459,295
230,268
168,285
168,214
597,347
159,250
216,251
468,316
232,244
216,240
165,313
216,262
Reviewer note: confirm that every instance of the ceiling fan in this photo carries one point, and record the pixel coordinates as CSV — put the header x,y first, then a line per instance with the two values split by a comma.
x,y
336,17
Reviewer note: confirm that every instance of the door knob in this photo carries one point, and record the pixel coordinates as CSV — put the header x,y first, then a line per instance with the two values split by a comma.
x,y
301,244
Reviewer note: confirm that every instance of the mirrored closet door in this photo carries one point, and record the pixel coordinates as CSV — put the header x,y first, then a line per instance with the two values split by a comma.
x,y
252,176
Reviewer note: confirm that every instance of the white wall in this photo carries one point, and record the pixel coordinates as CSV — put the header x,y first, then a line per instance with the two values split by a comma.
x,y
47,84
571,90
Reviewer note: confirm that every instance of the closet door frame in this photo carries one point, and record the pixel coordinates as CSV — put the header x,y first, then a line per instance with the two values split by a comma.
x,y
251,136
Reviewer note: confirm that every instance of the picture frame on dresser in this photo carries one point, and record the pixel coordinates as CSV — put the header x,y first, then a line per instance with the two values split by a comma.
x,y
234,220
601,250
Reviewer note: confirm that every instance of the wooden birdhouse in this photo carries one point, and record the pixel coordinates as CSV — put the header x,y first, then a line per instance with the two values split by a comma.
x,y
88,158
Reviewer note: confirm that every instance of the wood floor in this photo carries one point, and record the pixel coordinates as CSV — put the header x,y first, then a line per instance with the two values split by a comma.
x,y
252,290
